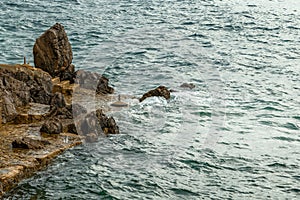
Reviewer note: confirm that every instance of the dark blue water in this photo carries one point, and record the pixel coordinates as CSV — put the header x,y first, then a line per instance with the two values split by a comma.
x,y
235,136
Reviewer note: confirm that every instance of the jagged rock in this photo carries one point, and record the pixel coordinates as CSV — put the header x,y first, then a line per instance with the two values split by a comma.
x,y
71,128
97,122
17,90
26,84
187,85
160,91
53,53
103,87
93,81
58,100
8,109
61,113
68,74
29,143
90,124
52,126
108,124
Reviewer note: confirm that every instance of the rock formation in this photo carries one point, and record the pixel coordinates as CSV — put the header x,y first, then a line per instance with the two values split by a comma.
x,y
24,89
53,53
160,91
93,81
52,126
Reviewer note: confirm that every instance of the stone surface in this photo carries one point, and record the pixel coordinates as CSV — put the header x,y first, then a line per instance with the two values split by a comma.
x,y
103,87
53,53
58,100
25,84
29,143
160,91
93,81
9,109
52,126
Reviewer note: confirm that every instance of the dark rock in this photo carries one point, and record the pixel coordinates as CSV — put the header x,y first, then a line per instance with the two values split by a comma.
x,y
29,143
58,100
188,85
160,91
71,128
53,53
68,74
103,87
97,122
93,81
52,126
90,124
108,124
61,113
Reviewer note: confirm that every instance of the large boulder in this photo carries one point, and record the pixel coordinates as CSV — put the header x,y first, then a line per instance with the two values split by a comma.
x,y
53,53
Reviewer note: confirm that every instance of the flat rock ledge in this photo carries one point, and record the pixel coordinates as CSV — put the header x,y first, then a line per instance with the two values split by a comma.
x,y
17,164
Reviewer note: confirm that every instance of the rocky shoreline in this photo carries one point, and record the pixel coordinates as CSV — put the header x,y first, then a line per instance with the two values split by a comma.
x,y
38,119
46,108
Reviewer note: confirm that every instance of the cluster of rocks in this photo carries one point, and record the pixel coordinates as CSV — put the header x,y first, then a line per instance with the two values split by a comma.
x,y
21,85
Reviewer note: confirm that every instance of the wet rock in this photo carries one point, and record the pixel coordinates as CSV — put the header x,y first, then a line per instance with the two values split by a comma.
x,y
103,87
90,124
160,91
187,85
53,53
52,126
108,124
97,122
93,81
29,143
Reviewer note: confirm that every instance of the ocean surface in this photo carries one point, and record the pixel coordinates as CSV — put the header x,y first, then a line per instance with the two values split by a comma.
x,y
234,136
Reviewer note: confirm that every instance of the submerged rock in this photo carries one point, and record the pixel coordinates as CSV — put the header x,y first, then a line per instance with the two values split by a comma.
x,y
187,85
53,53
160,91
